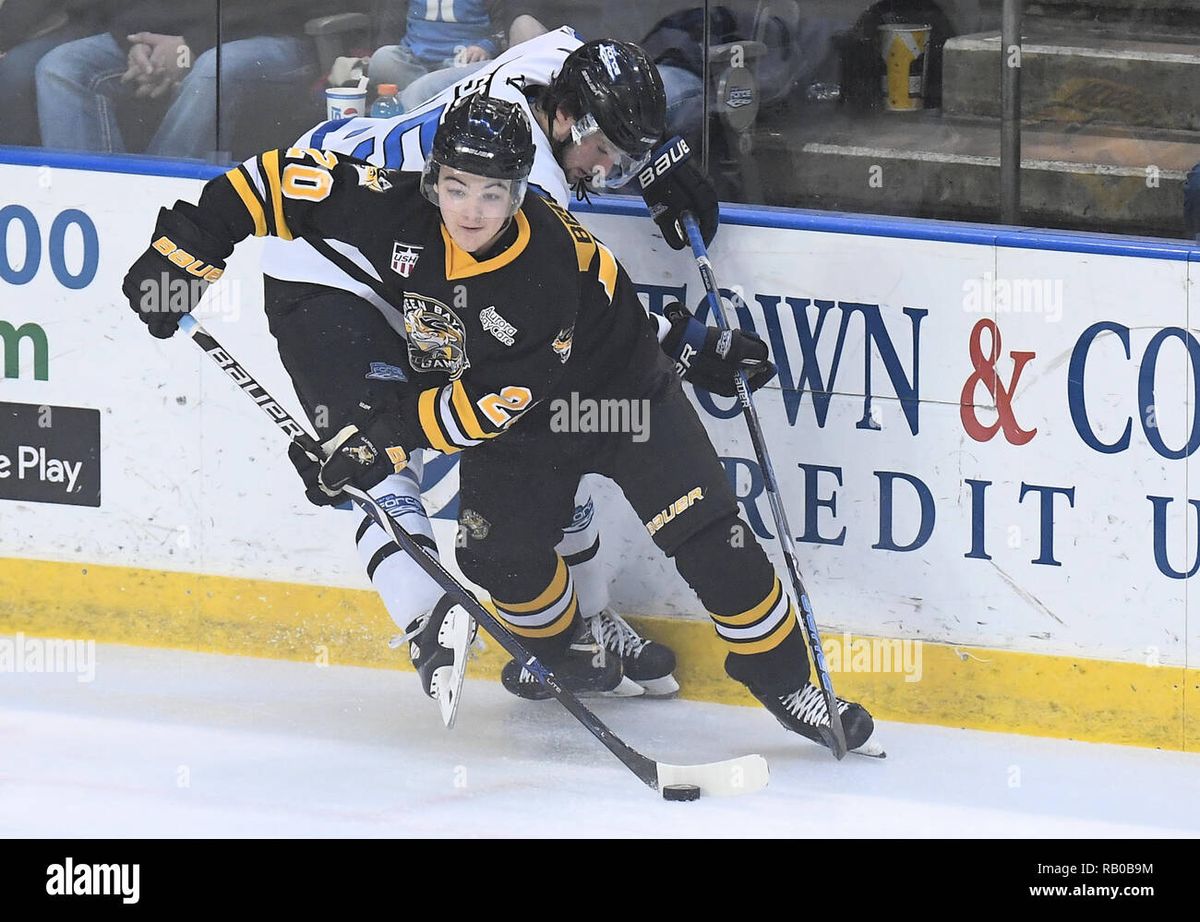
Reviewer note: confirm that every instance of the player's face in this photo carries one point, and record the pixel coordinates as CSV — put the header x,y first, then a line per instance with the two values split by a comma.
x,y
590,160
474,208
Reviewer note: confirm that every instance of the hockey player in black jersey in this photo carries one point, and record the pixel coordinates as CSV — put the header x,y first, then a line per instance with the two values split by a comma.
x,y
597,110
507,305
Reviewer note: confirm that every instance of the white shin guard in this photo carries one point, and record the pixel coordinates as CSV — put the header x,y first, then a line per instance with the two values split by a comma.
x,y
579,547
407,591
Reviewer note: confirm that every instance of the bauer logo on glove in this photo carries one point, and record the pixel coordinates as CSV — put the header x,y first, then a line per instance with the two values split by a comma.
x,y
171,276
186,261
672,185
665,159
710,358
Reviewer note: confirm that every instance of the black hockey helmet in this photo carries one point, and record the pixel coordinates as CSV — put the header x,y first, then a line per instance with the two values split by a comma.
x,y
613,87
483,136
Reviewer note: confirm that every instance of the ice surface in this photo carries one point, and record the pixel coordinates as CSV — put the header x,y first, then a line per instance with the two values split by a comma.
x,y
169,743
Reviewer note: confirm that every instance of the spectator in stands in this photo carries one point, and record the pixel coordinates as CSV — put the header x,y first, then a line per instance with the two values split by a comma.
x,y
522,28
1191,203
166,51
451,37
28,30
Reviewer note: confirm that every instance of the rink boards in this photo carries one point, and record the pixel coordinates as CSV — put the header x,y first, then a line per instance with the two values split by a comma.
x,y
984,439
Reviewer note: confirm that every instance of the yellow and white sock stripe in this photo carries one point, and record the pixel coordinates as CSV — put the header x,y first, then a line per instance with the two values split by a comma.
x,y
549,614
760,628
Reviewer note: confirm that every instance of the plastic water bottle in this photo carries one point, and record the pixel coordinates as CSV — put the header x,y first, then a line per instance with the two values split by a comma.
x,y
387,103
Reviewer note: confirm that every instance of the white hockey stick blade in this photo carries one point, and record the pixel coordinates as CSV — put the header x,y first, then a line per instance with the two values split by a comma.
x,y
456,631
743,775
870,749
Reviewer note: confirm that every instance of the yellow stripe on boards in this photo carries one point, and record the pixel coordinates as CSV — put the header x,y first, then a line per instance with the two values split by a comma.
x,y
1007,691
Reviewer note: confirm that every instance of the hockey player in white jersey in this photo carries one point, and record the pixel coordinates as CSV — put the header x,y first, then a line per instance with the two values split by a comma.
x,y
598,109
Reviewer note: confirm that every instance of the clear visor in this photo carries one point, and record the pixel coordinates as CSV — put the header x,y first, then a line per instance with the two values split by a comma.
x,y
611,166
469,195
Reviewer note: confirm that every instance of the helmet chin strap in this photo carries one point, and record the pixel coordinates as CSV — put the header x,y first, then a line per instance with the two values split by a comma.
x,y
557,147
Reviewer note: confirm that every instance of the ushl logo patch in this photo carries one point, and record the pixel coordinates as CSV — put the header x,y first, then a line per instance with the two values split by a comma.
x,y
404,258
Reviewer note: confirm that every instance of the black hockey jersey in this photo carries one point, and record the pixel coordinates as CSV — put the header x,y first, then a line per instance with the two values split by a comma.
x,y
488,340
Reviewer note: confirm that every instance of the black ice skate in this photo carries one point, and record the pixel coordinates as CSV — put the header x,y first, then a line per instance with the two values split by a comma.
x,y
586,669
439,644
804,712
648,663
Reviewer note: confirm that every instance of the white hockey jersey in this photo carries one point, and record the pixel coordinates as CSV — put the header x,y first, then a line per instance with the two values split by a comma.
x,y
403,143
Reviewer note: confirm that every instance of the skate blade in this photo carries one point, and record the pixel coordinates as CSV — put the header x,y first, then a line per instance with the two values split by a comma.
x,y
627,689
662,687
457,630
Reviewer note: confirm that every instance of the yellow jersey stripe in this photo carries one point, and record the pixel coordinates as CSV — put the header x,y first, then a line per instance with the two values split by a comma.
x,y
427,414
753,614
467,420
558,585
241,186
270,162
608,271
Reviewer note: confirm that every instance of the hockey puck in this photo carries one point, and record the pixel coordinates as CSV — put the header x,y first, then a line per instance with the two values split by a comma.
x,y
681,792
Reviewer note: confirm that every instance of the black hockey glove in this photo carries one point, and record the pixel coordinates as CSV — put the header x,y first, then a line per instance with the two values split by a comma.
x,y
170,278
709,358
672,184
361,455
308,466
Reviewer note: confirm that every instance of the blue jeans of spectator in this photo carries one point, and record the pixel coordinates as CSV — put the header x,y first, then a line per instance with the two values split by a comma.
x,y
1191,202
396,64
431,84
79,86
19,123
685,101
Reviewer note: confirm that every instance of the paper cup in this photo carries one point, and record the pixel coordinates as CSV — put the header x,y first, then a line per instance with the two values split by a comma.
x,y
905,65
345,102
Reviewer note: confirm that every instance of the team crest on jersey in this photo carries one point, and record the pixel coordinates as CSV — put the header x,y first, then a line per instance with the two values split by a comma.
x,y
497,325
437,339
373,177
362,454
404,258
474,524
562,343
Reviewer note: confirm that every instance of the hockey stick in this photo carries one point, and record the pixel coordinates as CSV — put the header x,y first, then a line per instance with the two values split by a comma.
x,y
731,776
837,738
